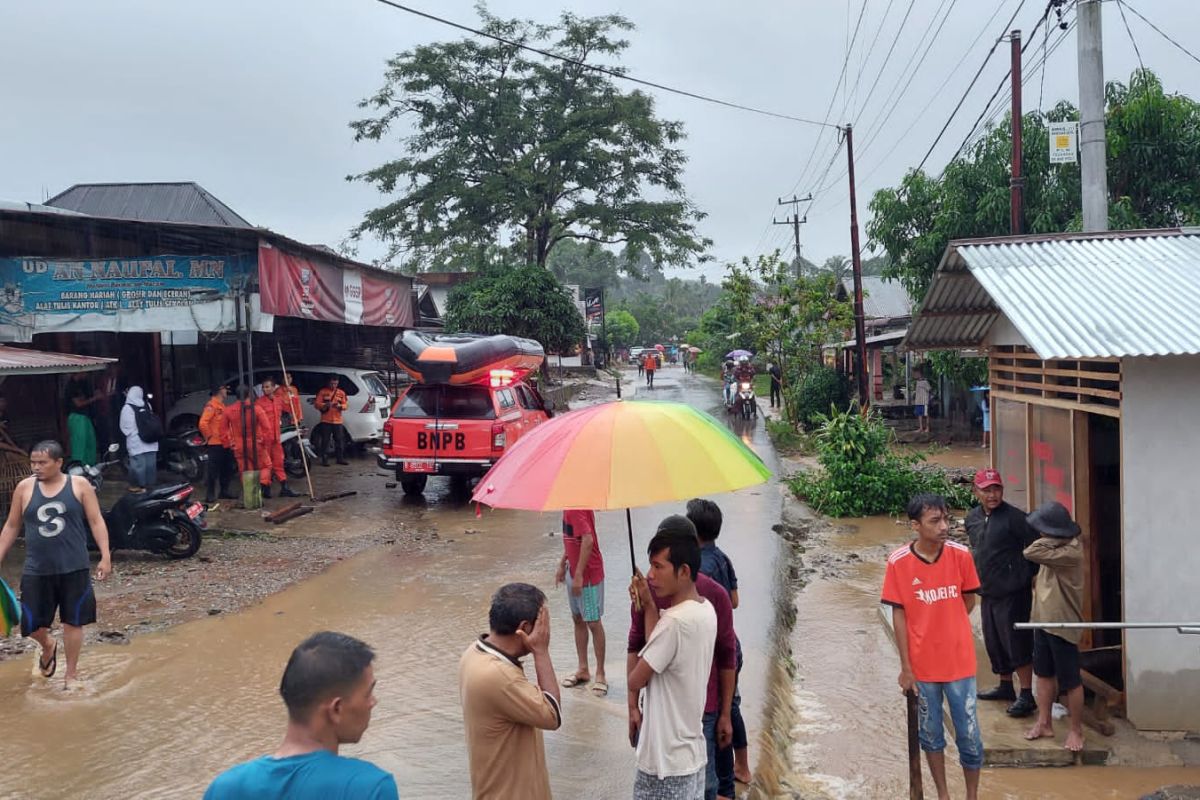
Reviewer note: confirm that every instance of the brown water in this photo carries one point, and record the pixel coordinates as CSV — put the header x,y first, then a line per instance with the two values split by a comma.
x,y
849,737
160,717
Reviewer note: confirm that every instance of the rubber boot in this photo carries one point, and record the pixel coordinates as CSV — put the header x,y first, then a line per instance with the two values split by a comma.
x,y
266,491
285,491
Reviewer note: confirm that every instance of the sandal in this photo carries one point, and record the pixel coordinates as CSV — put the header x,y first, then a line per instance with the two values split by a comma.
x,y
573,681
600,689
48,669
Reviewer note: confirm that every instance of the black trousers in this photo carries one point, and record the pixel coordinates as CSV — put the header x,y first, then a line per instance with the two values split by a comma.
x,y
322,435
219,468
776,395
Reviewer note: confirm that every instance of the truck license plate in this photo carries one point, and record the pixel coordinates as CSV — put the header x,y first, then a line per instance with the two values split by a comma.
x,y
419,465
195,510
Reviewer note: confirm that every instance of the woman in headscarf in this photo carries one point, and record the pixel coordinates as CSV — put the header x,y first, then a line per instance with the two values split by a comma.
x,y
143,455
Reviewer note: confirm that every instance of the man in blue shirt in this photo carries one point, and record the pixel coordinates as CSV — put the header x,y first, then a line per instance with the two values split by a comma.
x,y
734,761
328,687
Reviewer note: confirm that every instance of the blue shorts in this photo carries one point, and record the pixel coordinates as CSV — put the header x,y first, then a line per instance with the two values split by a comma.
x,y
960,695
589,606
919,411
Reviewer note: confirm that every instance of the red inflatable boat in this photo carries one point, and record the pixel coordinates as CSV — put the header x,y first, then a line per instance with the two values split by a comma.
x,y
461,358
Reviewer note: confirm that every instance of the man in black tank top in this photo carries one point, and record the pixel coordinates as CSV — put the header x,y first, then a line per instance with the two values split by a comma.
x,y
56,511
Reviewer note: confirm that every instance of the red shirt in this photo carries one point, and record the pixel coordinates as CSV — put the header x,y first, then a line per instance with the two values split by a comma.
x,y
725,652
574,525
941,646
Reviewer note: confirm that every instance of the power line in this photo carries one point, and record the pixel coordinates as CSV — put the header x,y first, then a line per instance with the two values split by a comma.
x,y
974,80
1164,35
871,49
602,70
892,49
1124,19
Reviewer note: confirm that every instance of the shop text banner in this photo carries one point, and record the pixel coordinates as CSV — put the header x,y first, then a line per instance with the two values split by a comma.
x,y
295,286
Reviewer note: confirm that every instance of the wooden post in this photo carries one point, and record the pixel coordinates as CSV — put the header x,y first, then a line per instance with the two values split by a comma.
x,y
915,789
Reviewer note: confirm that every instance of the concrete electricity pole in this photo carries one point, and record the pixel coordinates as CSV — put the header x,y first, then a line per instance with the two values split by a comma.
x,y
1093,169
795,221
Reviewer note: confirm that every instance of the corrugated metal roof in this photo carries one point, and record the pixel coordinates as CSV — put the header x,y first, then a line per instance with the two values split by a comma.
x,y
882,299
1131,293
149,202
19,361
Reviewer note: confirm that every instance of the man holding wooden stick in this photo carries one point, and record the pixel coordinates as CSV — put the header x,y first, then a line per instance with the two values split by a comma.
x,y
931,585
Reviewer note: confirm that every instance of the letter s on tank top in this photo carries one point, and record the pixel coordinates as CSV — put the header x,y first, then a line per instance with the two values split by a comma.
x,y
56,532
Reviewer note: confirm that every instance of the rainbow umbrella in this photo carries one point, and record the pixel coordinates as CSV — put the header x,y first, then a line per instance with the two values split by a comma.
x,y
10,609
620,455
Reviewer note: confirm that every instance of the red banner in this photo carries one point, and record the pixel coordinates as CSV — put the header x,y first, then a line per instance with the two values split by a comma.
x,y
296,286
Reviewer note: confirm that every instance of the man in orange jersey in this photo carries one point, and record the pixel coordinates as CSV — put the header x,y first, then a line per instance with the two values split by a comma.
x,y
931,584
331,402
212,428
247,434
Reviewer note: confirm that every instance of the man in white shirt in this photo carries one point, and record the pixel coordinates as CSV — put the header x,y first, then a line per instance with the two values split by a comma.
x,y
673,668
921,392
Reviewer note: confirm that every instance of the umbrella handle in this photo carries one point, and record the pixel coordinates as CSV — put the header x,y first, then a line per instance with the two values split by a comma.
x,y
637,601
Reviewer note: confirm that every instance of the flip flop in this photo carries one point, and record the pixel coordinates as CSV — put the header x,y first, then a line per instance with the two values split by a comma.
x,y
48,670
573,681
600,689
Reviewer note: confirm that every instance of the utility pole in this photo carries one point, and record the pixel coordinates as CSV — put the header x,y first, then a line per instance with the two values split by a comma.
x,y
1017,182
795,221
860,328
1093,169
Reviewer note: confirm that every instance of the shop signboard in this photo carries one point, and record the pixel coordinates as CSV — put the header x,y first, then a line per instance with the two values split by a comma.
x,y
125,294
296,286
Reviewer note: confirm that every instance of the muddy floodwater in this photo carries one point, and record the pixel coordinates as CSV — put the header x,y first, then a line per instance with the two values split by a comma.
x,y
162,715
849,740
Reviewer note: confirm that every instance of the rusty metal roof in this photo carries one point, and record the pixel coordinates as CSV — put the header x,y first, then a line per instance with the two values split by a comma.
x,y
1127,293
19,361
149,202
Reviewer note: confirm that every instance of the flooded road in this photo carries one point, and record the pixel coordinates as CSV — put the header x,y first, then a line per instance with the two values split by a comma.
x,y
849,737
161,716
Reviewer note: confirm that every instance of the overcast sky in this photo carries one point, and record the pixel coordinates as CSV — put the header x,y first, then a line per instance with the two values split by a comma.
x,y
251,99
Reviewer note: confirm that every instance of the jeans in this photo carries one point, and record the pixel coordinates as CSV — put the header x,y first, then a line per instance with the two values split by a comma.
x,y
960,695
143,469
710,771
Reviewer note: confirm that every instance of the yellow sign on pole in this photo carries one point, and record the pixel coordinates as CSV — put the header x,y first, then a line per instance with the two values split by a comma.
x,y
1064,142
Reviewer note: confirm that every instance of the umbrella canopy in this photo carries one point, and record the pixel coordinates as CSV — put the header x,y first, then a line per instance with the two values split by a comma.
x,y
620,455
695,349
739,353
10,609
659,347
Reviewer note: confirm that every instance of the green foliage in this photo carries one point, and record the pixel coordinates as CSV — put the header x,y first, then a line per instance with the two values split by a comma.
x,y
787,440
962,372
786,319
861,475
1153,173
622,328
522,301
498,141
820,389
585,264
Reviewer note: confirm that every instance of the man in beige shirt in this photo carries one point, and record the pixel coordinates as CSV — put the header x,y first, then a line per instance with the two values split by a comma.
x,y
503,713
1057,597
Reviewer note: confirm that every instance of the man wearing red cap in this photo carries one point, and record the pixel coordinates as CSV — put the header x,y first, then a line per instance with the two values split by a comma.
x,y
999,536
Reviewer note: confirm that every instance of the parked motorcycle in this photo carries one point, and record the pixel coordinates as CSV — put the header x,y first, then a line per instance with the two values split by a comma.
x,y
160,520
293,439
183,453
745,403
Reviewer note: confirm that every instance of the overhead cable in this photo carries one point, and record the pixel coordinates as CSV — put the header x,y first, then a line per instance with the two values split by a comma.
x,y
602,70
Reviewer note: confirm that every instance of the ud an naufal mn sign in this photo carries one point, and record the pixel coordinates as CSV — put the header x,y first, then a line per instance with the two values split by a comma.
x,y
1064,142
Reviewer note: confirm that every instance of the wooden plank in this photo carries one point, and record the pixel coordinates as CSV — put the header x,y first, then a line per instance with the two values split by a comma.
x,y
1114,696
1058,388
1087,375
1033,399
275,515
1081,469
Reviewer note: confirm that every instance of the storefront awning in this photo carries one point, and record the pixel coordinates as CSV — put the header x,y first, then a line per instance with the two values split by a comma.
x,y
19,361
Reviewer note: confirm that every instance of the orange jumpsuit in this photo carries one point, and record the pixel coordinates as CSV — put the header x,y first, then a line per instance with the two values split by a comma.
x,y
273,408
244,449
288,400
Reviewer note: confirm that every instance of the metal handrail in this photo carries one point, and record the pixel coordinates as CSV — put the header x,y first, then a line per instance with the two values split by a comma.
x,y
1181,627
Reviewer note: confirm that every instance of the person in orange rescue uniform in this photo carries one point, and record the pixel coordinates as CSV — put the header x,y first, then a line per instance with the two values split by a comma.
x,y
248,435
331,402
270,403
212,428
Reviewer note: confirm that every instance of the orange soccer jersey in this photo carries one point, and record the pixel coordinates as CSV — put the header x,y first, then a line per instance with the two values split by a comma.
x,y
941,646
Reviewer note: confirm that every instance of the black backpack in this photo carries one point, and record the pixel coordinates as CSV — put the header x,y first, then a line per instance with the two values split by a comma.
x,y
149,426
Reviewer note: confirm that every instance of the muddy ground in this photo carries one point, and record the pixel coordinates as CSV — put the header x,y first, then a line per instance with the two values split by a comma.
x,y
244,558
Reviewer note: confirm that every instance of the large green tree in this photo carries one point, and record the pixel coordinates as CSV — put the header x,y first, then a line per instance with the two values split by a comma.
x,y
622,329
521,301
499,143
1153,175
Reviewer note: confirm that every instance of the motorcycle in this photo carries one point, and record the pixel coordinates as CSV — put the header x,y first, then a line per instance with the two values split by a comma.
x,y
293,439
160,520
745,402
183,453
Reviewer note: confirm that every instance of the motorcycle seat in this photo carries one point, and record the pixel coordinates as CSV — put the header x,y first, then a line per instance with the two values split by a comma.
x,y
159,492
